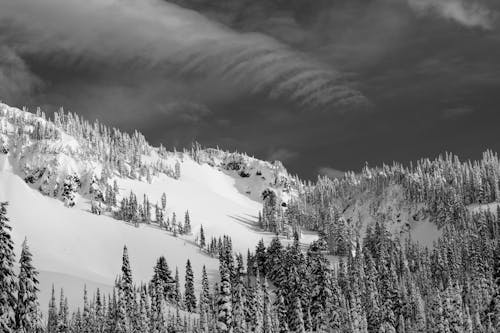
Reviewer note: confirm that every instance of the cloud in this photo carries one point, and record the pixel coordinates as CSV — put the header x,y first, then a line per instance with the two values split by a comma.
x,y
186,111
331,172
16,80
470,13
158,36
282,155
456,112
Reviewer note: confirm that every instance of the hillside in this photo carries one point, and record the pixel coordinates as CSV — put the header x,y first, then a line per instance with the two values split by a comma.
x,y
54,173
74,247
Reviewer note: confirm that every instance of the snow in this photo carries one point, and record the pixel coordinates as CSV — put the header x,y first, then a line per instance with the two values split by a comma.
x,y
88,248
73,247
401,218
476,208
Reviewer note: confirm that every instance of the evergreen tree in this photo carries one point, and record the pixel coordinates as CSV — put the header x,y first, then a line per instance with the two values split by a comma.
x,y
187,224
224,317
162,279
52,314
142,320
202,237
163,201
86,316
267,310
177,289
189,297
122,324
28,317
239,300
297,321
63,316
8,286
281,312
204,303
126,279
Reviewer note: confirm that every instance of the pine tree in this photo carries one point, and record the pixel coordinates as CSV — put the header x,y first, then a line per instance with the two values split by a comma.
x,y
297,321
205,291
63,322
99,317
86,325
224,317
494,308
260,257
122,324
202,237
177,289
126,279
162,279
175,227
189,297
239,301
143,320
52,315
28,317
267,314
163,201
281,312
258,306
8,286
187,224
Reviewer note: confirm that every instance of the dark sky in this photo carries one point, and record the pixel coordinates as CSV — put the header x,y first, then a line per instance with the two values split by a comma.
x,y
321,85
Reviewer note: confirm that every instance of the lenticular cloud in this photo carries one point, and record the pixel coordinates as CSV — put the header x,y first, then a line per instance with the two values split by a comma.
x,y
154,34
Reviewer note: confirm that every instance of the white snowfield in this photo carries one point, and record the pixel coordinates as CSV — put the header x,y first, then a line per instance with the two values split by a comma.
x,y
73,247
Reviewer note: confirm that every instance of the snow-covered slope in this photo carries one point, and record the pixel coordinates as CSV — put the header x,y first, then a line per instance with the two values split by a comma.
x,y
401,218
71,242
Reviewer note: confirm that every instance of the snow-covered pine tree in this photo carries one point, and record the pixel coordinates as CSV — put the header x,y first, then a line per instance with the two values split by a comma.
x,y
163,201
86,316
204,301
281,313
162,279
28,316
142,320
126,285
187,224
239,301
224,307
189,297
8,287
63,316
52,314
202,237
297,321
175,227
177,289
267,309
177,173
122,324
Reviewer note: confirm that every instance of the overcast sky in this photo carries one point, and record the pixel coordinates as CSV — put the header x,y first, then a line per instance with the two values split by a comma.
x,y
321,85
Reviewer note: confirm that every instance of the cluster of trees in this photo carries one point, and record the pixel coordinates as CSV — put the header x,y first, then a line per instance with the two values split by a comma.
x,y
157,306
444,187
130,210
117,151
276,217
19,307
381,286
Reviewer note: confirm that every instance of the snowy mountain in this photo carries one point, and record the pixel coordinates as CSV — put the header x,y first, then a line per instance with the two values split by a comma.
x,y
353,253
48,166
